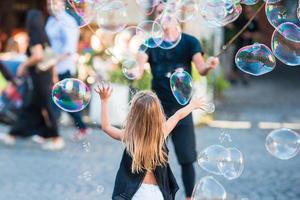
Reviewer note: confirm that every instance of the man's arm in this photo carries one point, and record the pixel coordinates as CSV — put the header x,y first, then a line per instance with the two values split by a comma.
x,y
204,67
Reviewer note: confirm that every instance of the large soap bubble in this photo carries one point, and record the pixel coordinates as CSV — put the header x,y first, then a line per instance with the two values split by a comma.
x,y
286,43
130,41
182,86
283,143
154,34
186,10
234,166
172,30
220,12
282,11
256,59
112,16
211,157
71,95
208,188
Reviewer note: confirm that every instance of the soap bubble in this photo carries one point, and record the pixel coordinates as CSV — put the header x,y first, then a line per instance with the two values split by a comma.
x,y
81,10
233,166
71,95
256,59
100,189
224,136
220,12
210,158
130,41
208,188
169,23
283,143
209,107
85,176
286,43
186,10
147,4
181,86
112,16
86,146
153,33
279,12
249,2
130,69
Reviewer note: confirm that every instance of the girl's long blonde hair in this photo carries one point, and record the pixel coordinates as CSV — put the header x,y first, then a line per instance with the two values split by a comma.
x,y
144,138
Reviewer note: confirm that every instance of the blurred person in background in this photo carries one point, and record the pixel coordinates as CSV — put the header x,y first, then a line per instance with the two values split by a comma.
x,y
163,63
63,33
246,38
37,114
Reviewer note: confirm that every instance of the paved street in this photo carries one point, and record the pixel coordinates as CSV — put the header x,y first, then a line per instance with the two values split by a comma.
x,y
86,171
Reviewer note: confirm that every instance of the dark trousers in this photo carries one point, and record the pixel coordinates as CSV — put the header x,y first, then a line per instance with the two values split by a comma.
x,y
184,140
37,114
76,116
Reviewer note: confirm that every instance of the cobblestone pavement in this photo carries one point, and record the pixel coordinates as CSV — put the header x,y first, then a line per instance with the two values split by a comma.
x,y
86,170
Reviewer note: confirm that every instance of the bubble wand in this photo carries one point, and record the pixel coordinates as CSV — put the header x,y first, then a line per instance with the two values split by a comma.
x,y
229,43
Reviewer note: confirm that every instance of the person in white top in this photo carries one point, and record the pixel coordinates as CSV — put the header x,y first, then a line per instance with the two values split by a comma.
x,y
63,34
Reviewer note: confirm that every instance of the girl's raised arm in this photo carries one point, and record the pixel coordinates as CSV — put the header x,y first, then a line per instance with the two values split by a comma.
x,y
170,124
104,92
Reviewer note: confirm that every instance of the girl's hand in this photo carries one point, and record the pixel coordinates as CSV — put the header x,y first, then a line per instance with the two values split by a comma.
x,y
104,91
213,62
198,103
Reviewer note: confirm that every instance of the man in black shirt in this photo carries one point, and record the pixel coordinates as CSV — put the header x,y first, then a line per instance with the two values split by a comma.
x,y
163,63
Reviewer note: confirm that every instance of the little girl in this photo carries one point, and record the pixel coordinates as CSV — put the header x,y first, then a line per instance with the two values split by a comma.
x,y
144,172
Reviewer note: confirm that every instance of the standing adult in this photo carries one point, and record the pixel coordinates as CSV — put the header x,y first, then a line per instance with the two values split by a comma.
x,y
63,34
37,114
163,63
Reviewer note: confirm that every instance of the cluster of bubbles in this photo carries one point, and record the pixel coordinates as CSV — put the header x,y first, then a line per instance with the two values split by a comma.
x,y
283,15
218,160
86,146
72,95
85,176
283,143
257,59
220,12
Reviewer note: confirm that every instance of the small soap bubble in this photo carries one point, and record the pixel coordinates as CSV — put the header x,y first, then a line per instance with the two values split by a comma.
x,y
100,189
224,137
85,176
86,146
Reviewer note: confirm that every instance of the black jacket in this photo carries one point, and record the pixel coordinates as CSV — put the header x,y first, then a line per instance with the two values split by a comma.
x,y
127,183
